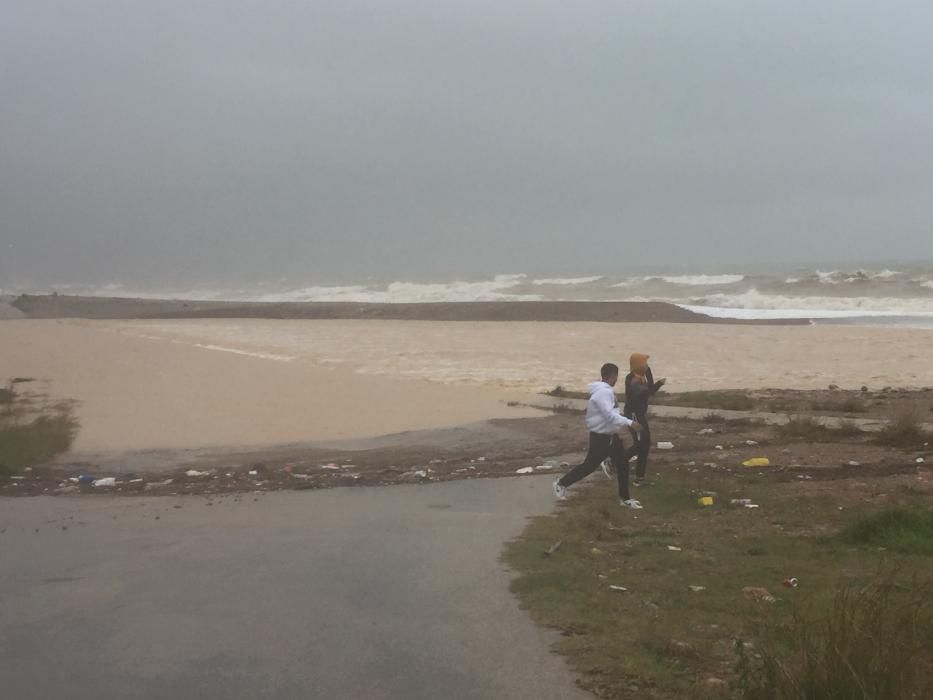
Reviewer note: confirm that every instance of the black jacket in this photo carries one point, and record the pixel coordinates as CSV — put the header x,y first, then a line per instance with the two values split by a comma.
x,y
637,396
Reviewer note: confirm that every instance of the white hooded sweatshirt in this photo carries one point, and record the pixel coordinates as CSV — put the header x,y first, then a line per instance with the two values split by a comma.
x,y
602,411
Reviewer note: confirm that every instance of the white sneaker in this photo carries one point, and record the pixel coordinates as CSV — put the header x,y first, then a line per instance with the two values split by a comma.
x,y
607,468
637,482
560,491
631,503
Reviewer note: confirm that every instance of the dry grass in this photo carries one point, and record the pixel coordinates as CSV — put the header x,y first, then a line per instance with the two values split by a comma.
x,y
904,430
33,429
870,641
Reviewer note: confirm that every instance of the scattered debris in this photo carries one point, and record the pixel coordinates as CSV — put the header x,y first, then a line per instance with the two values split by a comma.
x,y
705,501
194,473
853,463
759,595
332,467
919,460
751,443
757,462
156,484
682,649
718,447
697,589
706,431
85,479
553,548
791,583
596,551
673,548
525,470
542,467
106,482
665,445
621,589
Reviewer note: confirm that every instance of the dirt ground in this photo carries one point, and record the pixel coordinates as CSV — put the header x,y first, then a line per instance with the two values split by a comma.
x,y
496,448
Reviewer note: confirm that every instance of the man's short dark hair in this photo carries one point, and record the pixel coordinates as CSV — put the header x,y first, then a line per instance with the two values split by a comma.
x,y
609,370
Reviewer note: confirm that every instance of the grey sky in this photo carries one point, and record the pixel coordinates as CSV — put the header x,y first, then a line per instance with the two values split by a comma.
x,y
244,141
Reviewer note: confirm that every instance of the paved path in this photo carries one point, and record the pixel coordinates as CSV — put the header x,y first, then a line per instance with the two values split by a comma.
x,y
347,593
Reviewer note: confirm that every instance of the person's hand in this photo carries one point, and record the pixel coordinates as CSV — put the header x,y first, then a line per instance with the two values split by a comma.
x,y
636,426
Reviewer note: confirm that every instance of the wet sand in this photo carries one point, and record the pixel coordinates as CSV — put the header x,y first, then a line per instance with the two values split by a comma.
x,y
244,382
139,393
537,356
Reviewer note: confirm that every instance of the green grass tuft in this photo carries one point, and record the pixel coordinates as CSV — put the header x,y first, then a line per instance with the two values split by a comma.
x,y
902,530
904,431
868,641
32,430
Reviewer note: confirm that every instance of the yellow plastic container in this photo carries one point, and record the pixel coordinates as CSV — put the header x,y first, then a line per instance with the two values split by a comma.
x,y
706,501
757,462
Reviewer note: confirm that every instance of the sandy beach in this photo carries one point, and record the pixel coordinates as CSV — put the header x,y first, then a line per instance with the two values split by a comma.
x,y
144,393
237,382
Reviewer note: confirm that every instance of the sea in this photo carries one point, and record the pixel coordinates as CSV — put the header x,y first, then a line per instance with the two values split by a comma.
x,y
897,295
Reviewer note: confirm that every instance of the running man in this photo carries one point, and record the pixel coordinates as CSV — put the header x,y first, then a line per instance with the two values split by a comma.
x,y
606,425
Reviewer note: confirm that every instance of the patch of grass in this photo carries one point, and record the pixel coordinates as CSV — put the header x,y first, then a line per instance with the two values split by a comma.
x,y
32,431
868,641
847,428
902,530
904,431
722,400
565,407
803,427
35,442
850,405
661,635
809,428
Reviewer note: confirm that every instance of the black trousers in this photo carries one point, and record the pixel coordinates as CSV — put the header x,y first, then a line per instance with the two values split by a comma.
x,y
602,446
642,447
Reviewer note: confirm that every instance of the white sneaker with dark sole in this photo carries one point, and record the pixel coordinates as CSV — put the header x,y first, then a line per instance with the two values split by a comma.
x,y
607,468
631,503
559,491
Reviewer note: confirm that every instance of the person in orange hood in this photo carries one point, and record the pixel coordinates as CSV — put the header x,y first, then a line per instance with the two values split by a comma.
x,y
639,388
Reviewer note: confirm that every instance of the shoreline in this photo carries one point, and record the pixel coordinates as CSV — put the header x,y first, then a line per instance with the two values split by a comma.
x,y
52,306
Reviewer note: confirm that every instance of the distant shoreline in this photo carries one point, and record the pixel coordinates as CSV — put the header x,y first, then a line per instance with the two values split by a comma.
x,y
62,306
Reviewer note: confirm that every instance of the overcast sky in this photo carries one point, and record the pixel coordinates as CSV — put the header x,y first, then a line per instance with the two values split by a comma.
x,y
172,142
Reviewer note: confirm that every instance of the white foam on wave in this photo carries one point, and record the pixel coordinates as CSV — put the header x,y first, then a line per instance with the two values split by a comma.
x,y
840,277
248,353
494,289
754,304
566,281
683,280
928,284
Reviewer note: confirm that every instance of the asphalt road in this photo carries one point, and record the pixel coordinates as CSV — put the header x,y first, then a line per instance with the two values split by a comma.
x,y
347,593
